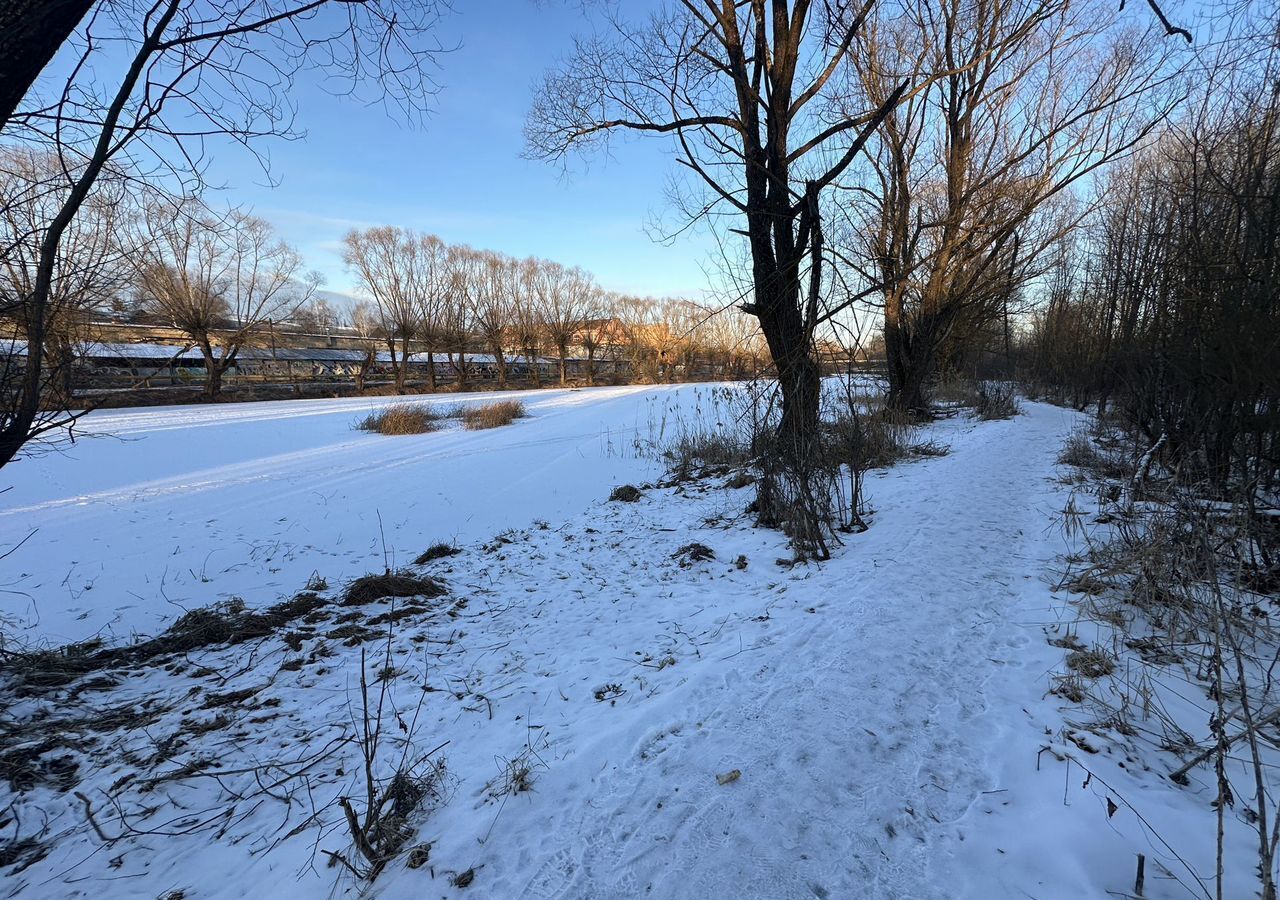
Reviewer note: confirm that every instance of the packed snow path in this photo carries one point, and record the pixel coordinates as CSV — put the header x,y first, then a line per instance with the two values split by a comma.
x,y
865,730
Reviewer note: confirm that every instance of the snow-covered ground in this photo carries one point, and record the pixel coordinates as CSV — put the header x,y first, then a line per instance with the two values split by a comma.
x,y
155,511
886,713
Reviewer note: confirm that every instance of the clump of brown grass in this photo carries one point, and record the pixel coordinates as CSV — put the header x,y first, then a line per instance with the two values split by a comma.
x,y
492,415
1093,663
625,493
1081,452
390,584
434,552
401,418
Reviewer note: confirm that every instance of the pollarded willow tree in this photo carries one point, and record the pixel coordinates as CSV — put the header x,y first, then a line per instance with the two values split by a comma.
x,y
743,88
390,267
218,277
967,183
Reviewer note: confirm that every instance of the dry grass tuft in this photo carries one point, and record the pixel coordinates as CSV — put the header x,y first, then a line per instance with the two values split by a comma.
x,y
492,415
1090,663
1081,452
400,419
390,584
625,493
434,552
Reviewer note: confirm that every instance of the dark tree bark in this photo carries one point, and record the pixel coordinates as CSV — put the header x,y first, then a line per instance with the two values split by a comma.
x,y
365,365
31,31
732,83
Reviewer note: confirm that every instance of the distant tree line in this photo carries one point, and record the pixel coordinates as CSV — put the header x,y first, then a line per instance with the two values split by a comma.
x,y
428,296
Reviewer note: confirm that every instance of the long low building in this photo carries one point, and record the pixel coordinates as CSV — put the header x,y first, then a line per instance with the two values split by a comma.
x,y
149,360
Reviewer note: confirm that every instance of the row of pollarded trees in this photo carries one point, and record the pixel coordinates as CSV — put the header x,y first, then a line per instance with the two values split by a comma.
x,y
219,276
428,296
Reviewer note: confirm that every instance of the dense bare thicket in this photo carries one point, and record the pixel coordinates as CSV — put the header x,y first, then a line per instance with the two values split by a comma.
x,y
218,277
146,85
1167,311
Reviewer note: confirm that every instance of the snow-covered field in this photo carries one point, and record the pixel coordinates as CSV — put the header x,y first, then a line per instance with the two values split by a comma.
x,y
155,511
886,713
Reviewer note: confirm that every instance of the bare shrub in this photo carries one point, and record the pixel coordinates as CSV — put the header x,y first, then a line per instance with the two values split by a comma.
x,y
1174,580
382,827
492,415
1081,452
400,419
996,400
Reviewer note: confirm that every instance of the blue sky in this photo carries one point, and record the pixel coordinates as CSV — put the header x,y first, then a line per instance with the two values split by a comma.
x,y
460,175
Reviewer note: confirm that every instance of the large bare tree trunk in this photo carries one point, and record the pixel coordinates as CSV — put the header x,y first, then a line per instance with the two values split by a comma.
x,y
31,31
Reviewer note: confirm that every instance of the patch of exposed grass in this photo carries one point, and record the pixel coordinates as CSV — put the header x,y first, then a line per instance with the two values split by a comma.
x,y
369,588
492,415
434,552
1090,663
625,493
401,419
226,623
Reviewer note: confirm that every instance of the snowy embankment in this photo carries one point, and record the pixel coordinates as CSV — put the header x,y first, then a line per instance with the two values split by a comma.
x,y
604,714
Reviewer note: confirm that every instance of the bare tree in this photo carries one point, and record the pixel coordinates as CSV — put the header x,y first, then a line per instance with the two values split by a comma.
x,y
217,277
527,322
742,88
89,275
968,177
495,284
388,266
316,315
457,286
434,297
562,298
365,321
178,74
598,327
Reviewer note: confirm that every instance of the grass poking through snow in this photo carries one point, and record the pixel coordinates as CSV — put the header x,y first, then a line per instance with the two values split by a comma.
x,y
401,418
492,415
